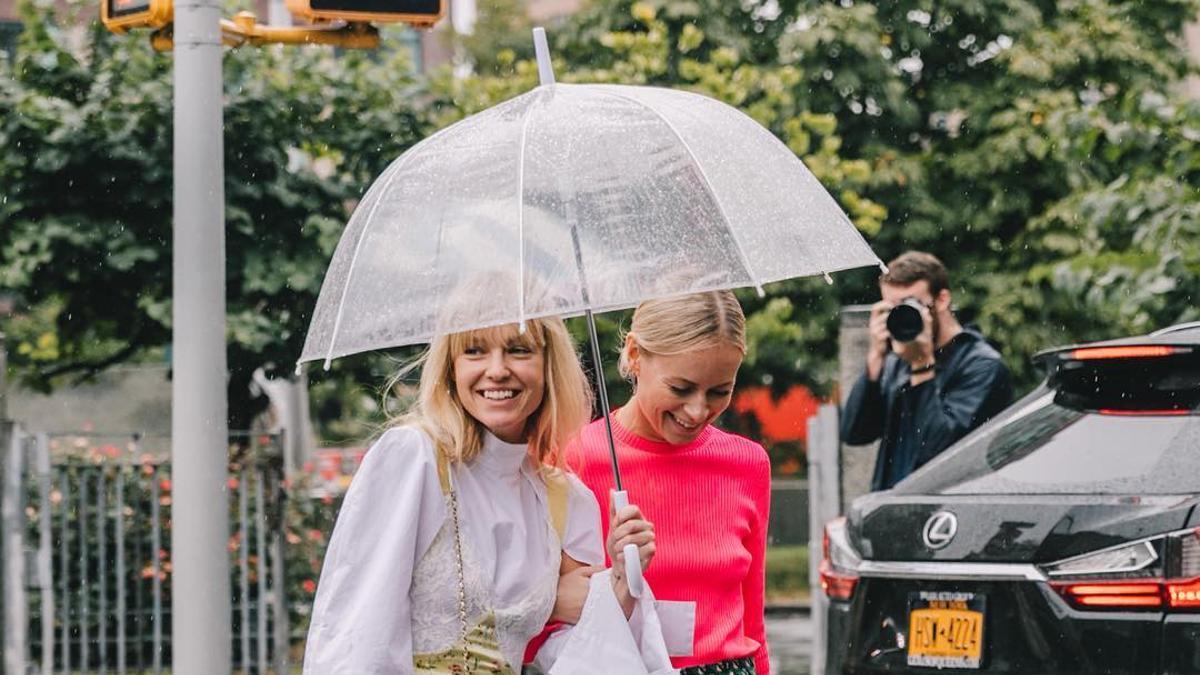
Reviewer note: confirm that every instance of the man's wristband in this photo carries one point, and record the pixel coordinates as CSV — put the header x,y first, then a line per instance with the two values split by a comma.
x,y
923,369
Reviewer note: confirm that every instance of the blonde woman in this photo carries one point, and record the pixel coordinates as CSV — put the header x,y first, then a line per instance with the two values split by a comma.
x,y
707,491
450,543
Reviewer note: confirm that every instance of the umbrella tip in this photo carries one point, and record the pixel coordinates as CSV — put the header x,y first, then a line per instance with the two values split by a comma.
x,y
759,289
542,50
522,327
328,360
883,269
299,369
828,279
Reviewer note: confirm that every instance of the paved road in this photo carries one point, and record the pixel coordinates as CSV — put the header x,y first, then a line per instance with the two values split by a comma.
x,y
790,637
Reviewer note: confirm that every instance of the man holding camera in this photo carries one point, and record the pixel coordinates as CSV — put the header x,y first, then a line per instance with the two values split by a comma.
x,y
929,379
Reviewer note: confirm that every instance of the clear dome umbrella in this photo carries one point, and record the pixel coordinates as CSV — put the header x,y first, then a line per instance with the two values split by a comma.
x,y
572,199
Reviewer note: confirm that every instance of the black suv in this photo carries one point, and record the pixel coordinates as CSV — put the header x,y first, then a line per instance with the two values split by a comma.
x,y
1061,537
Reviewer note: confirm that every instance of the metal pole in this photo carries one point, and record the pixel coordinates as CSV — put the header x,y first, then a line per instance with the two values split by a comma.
x,y
122,575
12,525
64,564
602,388
3,379
156,639
857,461
45,553
244,568
84,578
823,503
200,608
102,563
260,547
279,616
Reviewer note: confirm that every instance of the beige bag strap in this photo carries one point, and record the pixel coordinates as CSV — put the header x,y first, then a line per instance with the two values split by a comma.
x,y
557,489
443,468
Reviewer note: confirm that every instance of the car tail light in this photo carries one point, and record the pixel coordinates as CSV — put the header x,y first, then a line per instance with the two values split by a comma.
x,y
1146,380
1145,413
1161,573
1110,595
1125,352
1184,594
839,562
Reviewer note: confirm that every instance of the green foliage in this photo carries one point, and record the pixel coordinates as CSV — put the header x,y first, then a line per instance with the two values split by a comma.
x,y
787,573
87,187
1036,146
500,38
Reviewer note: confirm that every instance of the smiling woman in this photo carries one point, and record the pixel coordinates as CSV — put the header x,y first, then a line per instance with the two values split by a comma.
x,y
707,491
448,550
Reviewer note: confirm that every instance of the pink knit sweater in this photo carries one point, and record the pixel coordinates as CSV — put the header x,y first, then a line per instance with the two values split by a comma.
x,y
709,502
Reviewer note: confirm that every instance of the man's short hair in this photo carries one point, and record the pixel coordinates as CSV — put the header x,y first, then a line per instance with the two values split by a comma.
x,y
913,266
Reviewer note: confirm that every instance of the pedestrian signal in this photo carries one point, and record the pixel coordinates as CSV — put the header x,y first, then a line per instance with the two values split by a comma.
x,y
121,15
422,13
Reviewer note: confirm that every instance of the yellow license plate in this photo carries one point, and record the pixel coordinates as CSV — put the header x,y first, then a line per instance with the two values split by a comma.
x,y
945,630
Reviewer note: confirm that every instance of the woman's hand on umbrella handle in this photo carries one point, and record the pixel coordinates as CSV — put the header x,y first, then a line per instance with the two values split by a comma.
x,y
630,547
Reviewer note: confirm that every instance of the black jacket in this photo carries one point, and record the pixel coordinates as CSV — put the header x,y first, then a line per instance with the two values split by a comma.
x,y
971,384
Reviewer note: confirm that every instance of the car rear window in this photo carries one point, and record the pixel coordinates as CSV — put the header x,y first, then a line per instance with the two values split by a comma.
x,y
1039,447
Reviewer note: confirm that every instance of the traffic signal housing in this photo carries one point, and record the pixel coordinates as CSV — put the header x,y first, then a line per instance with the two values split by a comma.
x,y
121,15
421,13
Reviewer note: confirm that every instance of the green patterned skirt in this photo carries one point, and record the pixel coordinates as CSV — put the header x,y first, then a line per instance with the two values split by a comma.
x,y
742,666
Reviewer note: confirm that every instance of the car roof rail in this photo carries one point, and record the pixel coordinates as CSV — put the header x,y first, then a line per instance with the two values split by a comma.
x,y
1177,328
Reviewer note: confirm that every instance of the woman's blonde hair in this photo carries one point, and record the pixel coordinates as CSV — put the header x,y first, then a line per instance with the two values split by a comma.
x,y
670,326
566,404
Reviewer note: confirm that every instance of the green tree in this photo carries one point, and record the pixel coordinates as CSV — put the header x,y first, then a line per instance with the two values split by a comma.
x,y
500,37
85,178
1023,141
1007,124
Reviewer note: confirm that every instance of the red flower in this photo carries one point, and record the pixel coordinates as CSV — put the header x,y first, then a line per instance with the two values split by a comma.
x,y
310,586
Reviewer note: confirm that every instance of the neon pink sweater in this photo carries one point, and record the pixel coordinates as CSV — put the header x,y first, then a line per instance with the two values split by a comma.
x,y
709,502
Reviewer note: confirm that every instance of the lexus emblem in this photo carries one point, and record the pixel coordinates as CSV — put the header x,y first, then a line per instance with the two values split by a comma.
x,y
940,529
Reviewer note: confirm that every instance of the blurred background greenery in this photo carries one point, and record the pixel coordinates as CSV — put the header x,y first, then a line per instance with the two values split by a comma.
x,y
1045,149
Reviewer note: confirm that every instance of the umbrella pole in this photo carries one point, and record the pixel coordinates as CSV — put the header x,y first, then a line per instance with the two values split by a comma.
x,y
633,564
603,389
620,499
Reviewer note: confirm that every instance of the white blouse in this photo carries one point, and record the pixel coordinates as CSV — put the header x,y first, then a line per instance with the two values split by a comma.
x,y
381,597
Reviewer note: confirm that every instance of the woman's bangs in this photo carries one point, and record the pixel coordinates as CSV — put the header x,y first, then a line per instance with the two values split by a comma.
x,y
505,335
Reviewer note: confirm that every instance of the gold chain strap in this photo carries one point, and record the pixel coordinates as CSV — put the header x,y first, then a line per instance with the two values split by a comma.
x,y
462,584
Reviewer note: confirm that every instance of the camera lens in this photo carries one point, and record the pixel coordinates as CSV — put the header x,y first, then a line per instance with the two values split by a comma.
x,y
904,322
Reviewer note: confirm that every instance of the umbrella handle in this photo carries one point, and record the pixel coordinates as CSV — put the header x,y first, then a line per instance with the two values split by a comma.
x,y
633,563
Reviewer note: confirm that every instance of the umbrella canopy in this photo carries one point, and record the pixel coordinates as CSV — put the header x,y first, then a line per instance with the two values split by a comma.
x,y
572,198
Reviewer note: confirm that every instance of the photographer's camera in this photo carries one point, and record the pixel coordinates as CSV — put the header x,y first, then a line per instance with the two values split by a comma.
x,y
905,322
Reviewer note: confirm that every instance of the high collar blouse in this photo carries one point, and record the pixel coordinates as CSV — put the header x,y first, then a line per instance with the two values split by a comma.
x,y
362,615
502,504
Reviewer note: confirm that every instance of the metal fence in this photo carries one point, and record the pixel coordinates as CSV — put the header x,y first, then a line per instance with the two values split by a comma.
x,y
87,537
824,481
